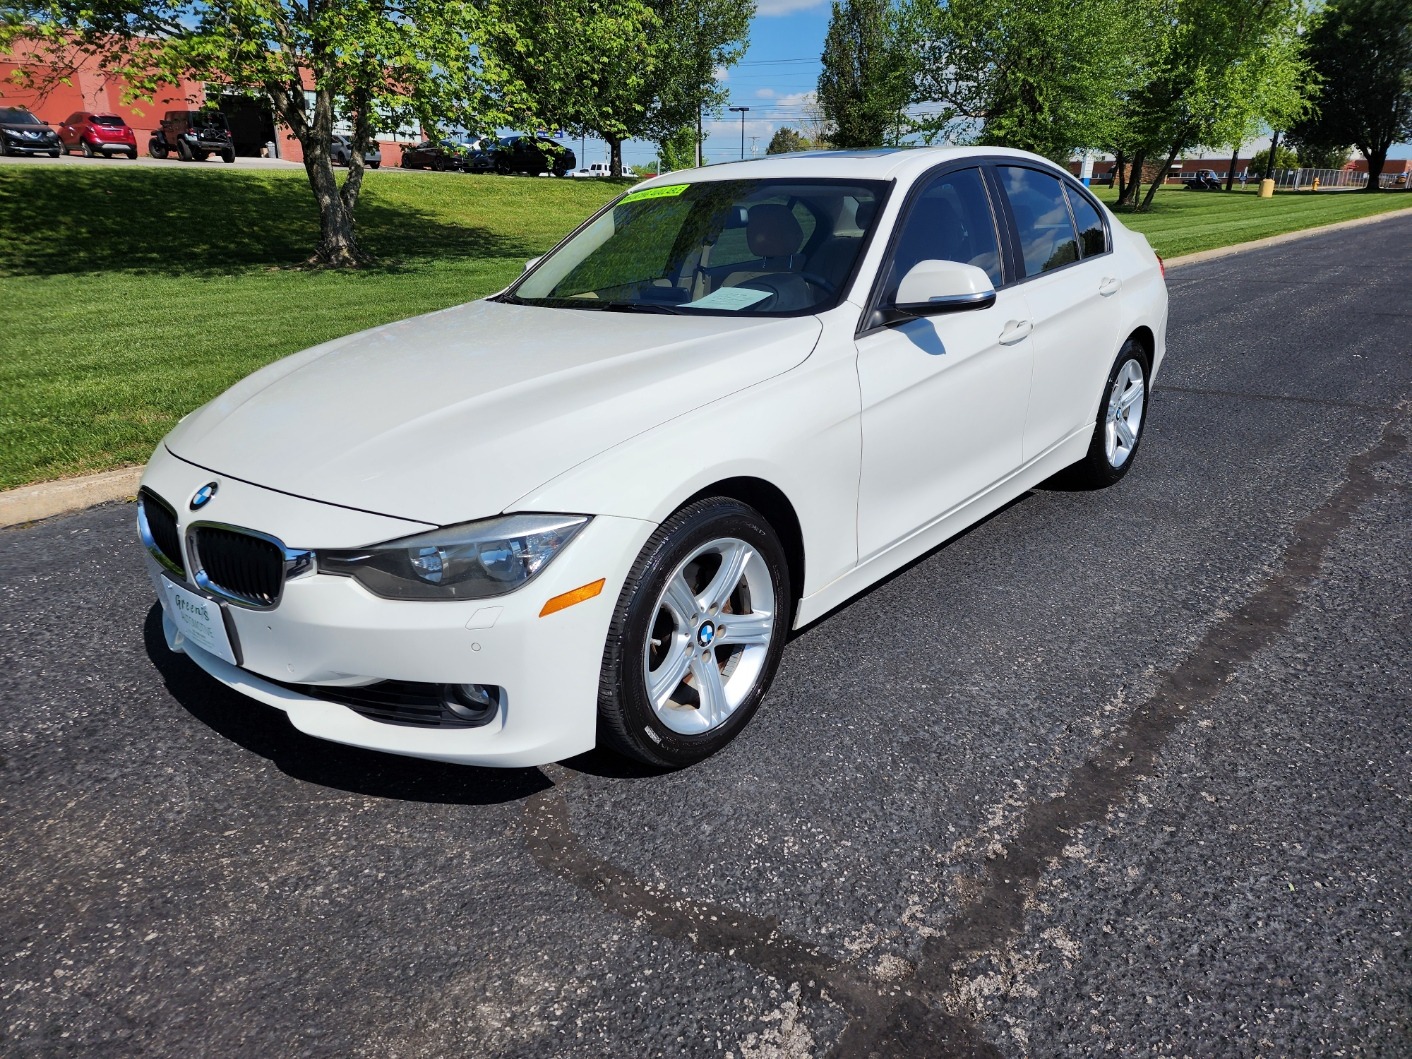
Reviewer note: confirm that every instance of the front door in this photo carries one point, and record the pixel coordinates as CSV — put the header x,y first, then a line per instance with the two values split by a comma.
x,y
944,397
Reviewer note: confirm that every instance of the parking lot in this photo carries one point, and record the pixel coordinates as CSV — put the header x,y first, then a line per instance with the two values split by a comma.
x,y
1124,772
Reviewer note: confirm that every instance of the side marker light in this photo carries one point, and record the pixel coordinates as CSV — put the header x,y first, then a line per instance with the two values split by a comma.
x,y
568,599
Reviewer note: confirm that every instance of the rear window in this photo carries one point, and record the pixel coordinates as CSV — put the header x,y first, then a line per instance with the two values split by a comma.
x,y
111,120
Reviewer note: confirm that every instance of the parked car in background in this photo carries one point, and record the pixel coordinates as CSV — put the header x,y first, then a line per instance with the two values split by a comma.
x,y
194,135
97,134
531,154
440,155
593,506
22,133
342,150
598,169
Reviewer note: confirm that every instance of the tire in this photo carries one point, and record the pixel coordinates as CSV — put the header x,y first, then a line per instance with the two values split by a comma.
x,y
1122,414
440,165
132,154
184,151
56,154
714,559
156,148
4,148
228,156
86,147
374,165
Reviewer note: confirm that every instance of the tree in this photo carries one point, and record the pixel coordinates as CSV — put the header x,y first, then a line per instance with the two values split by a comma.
x,y
1040,75
678,149
1284,159
576,64
786,140
1362,52
1218,71
866,77
371,63
1314,156
700,37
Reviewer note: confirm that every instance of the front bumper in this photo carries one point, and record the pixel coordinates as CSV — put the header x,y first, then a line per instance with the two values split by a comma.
x,y
32,146
329,630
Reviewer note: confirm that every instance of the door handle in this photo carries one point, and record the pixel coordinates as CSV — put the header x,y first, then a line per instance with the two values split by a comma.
x,y
1015,331
1109,285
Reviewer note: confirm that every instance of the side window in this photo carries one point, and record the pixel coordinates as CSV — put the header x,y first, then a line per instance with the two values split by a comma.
x,y
950,221
1093,239
1042,222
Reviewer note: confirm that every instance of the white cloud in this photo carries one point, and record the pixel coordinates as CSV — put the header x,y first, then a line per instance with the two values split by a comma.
x,y
785,7
720,73
764,93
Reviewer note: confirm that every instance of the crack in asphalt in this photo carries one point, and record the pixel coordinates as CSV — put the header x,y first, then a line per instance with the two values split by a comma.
x,y
925,1019
1318,402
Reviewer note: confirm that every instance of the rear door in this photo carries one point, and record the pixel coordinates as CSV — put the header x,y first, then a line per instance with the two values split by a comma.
x,y
1070,285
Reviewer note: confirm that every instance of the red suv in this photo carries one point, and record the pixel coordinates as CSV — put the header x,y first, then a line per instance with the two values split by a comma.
x,y
97,134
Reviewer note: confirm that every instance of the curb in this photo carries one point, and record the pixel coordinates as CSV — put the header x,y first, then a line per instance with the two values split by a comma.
x,y
30,503
1284,237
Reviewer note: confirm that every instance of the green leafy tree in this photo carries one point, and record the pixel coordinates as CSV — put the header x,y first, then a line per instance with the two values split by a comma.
x,y
1312,156
1040,75
786,140
575,64
866,78
372,63
1285,158
1362,52
1217,72
678,150
699,37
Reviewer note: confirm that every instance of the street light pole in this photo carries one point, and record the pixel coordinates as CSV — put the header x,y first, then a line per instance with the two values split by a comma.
x,y
741,111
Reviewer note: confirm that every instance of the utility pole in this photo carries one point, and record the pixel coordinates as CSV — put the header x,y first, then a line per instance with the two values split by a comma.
x,y
742,111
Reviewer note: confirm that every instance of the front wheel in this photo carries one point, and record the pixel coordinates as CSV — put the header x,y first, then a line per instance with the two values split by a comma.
x,y
1121,417
87,148
156,148
696,636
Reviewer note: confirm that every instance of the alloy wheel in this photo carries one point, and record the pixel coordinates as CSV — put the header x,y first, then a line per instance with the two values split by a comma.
x,y
1123,421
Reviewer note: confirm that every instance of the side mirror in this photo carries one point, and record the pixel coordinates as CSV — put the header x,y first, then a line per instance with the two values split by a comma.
x,y
531,263
933,287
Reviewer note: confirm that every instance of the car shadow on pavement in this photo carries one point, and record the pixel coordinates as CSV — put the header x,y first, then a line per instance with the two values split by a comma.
x,y
264,730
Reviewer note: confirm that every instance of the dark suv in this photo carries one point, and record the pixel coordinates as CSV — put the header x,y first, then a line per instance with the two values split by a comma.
x,y
194,135
22,133
531,154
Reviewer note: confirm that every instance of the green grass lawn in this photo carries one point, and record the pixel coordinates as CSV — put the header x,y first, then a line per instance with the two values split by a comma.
x,y
1184,222
128,296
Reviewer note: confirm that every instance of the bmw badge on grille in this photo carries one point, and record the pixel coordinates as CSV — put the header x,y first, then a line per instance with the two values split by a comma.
x,y
203,496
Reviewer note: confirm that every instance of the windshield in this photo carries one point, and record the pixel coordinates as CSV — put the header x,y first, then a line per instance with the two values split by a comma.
x,y
749,247
18,116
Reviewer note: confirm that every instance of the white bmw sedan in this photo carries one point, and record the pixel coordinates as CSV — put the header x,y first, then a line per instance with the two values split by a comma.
x,y
592,507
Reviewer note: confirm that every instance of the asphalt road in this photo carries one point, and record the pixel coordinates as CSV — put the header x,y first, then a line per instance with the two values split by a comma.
x,y
1121,773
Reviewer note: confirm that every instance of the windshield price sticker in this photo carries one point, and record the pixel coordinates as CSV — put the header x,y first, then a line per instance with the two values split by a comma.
x,y
669,192
200,620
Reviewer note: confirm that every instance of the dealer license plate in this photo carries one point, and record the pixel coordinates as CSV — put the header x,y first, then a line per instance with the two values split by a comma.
x,y
200,620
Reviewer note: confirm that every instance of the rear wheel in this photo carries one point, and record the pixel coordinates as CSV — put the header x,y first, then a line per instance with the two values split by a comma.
x,y
696,636
228,155
87,148
132,154
184,151
1121,416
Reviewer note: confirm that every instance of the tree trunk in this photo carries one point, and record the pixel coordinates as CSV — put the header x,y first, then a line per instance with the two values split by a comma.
x,y
1130,192
1161,177
1230,171
1377,158
1120,180
338,239
615,156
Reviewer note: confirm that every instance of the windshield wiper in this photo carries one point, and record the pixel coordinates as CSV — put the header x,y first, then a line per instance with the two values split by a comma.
x,y
640,307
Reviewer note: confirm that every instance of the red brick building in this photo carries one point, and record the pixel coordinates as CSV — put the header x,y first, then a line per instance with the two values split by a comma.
x,y
89,88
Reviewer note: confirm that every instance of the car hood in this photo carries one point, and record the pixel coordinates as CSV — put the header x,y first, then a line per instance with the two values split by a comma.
x,y
455,415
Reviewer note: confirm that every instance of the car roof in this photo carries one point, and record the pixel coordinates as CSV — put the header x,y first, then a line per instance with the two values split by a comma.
x,y
886,163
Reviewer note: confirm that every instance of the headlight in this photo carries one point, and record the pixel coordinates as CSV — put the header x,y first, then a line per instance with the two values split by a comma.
x,y
470,561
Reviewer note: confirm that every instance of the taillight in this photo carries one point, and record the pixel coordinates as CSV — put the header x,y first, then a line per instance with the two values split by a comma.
x,y
1162,265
